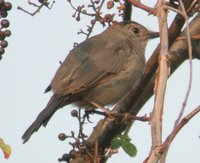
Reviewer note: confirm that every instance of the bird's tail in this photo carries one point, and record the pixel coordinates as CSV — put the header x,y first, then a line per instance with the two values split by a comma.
x,y
53,105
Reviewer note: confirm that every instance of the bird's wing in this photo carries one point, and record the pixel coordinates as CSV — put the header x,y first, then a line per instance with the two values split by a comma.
x,y
89,64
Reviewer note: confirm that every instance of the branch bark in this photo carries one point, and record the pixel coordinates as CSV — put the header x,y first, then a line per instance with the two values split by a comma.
x,y
127,11
160,84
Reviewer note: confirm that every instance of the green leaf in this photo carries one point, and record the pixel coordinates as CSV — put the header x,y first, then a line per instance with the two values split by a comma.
x,y
125,142
129,148
116,142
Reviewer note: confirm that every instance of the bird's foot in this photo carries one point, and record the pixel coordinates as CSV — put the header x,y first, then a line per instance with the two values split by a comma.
x,y
87,116
105,111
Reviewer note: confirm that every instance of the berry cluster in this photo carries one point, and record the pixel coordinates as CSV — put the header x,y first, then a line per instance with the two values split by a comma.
x,y
4,23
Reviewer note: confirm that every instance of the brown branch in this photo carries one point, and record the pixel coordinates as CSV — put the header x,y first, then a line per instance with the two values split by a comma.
x,y
174,10
178,127
164,147
32,14
143,7
192,6
158,152
39,7
127,11
190,62
160,84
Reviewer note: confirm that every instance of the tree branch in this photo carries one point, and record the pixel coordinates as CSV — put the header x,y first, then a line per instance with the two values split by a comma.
x,y
127,11
160,84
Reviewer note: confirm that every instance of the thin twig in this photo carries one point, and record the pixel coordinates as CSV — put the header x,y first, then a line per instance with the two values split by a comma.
x,y
174,10
178,127
190,62
143,7
39,7
95,20
82,12
193,37
158,152
97,11
33,4
192,6
32,14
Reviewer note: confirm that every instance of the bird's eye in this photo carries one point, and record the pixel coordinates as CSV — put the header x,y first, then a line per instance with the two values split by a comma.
x,y
135,30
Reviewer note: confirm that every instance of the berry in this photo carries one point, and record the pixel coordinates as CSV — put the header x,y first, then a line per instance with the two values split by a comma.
x,y
62,136
2,3
8,6
78,18
4,44
7,33
2,51
2,35
72,154
65,157
74,113
5,23
3,13
41,1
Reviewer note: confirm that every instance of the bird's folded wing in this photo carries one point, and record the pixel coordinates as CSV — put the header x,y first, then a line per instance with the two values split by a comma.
x,y
87,65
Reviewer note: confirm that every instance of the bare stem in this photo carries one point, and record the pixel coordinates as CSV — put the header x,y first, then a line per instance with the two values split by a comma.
x,y
190,63
138,4
179,126
160,84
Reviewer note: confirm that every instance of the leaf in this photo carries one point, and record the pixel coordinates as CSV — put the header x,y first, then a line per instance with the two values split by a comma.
x,y
124,141
5,148
129,148
116,142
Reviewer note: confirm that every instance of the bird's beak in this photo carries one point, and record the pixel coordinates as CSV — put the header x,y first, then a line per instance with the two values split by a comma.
x,y
153,35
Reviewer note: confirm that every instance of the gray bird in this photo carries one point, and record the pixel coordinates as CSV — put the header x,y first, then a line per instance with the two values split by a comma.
x,y
102,69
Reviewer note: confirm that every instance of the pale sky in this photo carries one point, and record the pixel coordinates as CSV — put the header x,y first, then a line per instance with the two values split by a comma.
x,y
35,48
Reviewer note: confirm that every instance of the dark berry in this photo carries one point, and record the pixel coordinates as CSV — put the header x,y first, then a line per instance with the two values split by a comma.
x,y
62,136
7,33
65,157
2,35
5,23
2,3
78,18
74,113
2,51
3,13
41,1
8,6
73,154
4,44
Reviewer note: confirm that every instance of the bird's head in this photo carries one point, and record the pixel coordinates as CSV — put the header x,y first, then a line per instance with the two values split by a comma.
x,y
138,31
